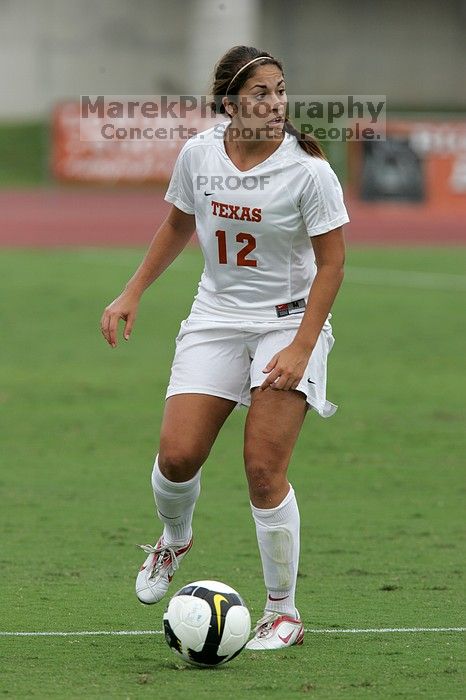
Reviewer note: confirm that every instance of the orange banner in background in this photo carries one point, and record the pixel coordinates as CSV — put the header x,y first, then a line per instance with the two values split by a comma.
x,y
84,156
422,161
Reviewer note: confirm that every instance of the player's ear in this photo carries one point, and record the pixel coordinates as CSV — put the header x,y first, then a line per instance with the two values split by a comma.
x,y
230,107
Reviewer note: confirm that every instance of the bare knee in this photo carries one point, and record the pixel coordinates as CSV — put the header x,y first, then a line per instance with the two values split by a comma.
x,y
262,486
178,463
266,476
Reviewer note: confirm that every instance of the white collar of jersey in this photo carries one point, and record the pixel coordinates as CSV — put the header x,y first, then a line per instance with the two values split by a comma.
x,y
221,145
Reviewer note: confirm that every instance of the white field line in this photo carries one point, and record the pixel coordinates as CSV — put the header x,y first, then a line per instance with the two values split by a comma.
x,y
406,278
360,275
131,633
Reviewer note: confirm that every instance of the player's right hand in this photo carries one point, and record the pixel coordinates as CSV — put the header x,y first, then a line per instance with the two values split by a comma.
x,y
123,307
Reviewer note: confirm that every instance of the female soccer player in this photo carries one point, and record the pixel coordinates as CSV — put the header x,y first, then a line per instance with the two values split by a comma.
x,y
268,211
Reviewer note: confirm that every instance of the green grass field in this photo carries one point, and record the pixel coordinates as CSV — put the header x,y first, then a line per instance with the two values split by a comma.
x,y
380,487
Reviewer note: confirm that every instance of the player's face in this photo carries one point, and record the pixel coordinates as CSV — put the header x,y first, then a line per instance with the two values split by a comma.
x,y
262,102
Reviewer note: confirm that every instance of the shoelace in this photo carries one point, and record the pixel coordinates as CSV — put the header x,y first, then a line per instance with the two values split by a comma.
x,y
264,625
160,553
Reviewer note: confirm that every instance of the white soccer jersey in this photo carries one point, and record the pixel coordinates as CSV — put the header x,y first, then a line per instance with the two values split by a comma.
x,y
254,226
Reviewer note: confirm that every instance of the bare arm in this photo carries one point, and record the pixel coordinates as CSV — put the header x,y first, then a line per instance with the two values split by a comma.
x,y
167,244
329,250
286,368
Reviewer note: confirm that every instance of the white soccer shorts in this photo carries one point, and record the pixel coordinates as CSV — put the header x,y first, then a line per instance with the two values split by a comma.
x,y
226,359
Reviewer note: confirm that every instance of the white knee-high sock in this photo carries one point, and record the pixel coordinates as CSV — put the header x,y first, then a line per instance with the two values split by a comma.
x,y
175,504
278,539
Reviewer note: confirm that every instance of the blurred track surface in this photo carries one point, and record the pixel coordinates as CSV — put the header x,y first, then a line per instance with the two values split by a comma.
x,y
93,217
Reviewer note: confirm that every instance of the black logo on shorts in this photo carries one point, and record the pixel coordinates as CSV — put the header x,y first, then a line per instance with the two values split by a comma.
x,y
310,381
208,194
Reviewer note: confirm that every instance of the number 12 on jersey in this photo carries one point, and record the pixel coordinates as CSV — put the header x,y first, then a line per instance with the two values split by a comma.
x,y
241,256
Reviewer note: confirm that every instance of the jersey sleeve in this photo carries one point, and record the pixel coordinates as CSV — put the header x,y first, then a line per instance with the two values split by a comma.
x,y
321,201
180,189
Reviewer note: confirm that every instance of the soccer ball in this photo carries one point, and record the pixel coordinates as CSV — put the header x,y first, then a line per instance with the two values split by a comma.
x,y
207,623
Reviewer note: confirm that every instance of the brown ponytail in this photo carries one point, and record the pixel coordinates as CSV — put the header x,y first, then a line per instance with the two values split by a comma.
x,y
307,143
226,69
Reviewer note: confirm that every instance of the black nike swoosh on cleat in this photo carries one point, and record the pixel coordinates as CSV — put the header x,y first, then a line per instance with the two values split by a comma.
x,y
207,194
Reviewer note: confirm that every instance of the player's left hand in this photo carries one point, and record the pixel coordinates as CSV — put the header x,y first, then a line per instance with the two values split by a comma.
x,y
286,368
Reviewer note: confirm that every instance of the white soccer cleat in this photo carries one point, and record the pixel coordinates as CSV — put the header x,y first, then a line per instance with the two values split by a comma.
x,y
276,631
157,571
